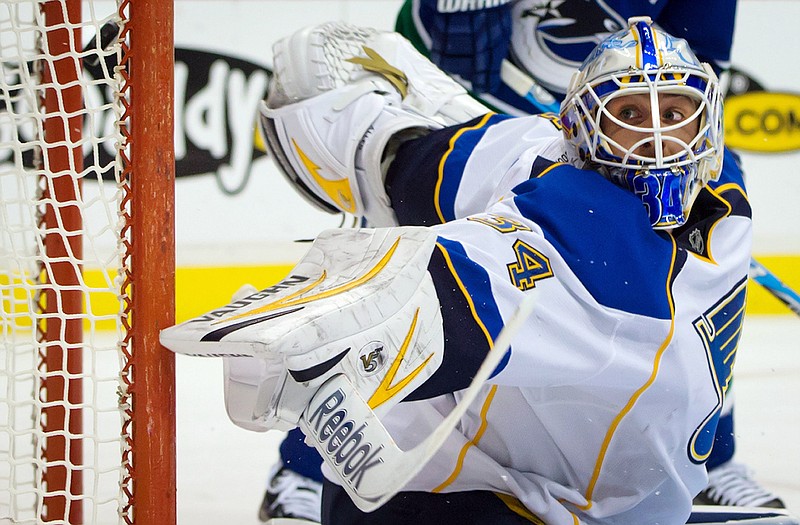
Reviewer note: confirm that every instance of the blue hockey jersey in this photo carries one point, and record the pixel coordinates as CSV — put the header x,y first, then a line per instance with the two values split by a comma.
x,y
548,39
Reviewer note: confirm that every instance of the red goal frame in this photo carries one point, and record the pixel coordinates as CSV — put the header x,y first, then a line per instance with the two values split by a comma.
x,y
149,479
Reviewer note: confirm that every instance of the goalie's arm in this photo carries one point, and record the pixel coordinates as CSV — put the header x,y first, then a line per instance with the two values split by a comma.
x,y
462,170
338,153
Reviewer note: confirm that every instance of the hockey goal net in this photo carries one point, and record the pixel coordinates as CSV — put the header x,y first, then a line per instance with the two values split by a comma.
x,y
86,262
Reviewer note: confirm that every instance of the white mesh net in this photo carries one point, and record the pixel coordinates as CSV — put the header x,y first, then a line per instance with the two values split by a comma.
x,y
62,349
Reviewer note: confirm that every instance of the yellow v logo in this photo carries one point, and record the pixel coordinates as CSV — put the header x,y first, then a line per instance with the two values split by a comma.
x,y
338,190
386,390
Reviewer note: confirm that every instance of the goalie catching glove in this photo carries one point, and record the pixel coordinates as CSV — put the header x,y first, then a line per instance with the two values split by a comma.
x,y
341,100
360,304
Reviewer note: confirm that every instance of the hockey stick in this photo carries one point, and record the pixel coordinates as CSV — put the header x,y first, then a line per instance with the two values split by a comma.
x,y
525,86
730,515
360,450
761,274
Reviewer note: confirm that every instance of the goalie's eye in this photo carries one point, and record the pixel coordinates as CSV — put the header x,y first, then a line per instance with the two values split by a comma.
x,y
672,116
629,122
630,114
676,108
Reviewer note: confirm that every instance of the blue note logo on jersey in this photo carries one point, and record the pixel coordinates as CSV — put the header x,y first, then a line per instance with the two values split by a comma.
x,y
720,329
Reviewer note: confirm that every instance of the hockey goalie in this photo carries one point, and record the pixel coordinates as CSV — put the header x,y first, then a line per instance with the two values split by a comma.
x,y
547,338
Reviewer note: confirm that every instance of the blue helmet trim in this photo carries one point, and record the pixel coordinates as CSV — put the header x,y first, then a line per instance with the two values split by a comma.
x,y
650,56
643,59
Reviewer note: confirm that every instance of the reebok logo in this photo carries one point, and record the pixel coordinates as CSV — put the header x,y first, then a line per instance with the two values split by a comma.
x,y
343,442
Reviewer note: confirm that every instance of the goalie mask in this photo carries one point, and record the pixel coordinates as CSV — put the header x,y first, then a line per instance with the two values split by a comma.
x,y
646,113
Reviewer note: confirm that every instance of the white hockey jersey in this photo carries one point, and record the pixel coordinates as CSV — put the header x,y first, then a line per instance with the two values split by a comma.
x,y
605,408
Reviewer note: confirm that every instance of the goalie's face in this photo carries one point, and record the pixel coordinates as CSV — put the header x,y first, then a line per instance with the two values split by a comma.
x,y
643,111
633,127
649,139
653,135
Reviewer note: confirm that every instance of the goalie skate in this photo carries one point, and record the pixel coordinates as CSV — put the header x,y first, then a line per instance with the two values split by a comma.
x,y
733,484
341,99
290,496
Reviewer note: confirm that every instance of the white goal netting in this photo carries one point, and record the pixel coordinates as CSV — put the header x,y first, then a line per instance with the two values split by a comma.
x,y
64,424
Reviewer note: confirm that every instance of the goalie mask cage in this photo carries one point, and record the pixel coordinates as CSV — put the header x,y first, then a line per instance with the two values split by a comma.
x,y
87,426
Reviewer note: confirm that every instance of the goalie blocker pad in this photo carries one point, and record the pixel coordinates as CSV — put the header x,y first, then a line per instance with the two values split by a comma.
x,y
360,303
357,328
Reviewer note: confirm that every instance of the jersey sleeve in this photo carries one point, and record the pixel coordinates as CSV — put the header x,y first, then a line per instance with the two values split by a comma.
x,y
462,170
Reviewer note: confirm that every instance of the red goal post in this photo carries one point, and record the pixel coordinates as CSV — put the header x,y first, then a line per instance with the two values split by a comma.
x,y
87,399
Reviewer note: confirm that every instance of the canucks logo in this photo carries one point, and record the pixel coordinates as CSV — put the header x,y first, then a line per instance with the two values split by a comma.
x,y
720,329
568,30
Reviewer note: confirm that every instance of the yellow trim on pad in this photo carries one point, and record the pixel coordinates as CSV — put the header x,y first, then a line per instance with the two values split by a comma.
x,y
201,289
